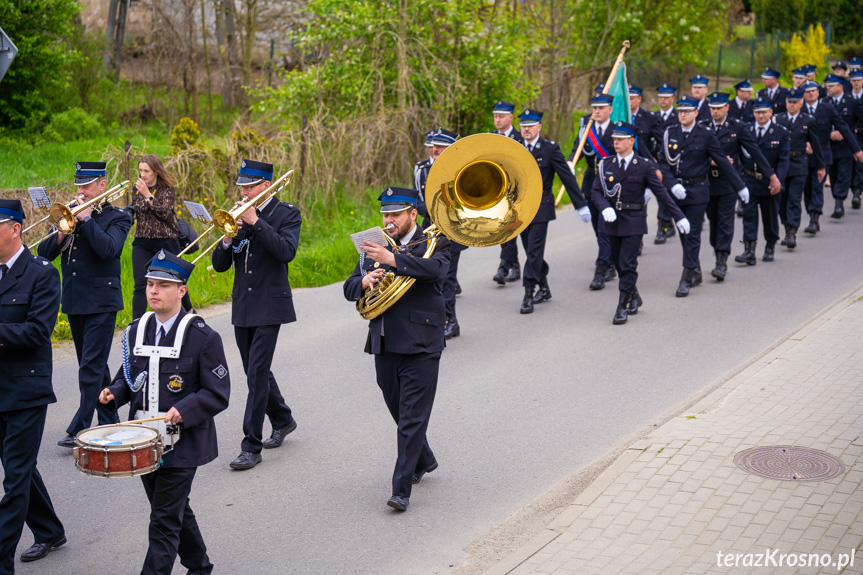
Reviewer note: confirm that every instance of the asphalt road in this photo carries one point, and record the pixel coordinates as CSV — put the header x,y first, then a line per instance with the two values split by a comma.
x,y
523,403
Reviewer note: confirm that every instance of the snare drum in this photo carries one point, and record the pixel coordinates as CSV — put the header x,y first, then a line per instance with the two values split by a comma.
x,y
120,450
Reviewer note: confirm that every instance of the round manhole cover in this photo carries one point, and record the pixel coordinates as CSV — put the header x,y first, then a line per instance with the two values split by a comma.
x,y
788,463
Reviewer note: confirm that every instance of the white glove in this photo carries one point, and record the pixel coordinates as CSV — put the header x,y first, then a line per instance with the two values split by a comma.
x,y
679,191
647,195
584,214
683,226
608,215
744,195
571,167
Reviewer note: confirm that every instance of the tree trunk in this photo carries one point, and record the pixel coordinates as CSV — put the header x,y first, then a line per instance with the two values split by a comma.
x,y
191,56
207,65
401,50
250,30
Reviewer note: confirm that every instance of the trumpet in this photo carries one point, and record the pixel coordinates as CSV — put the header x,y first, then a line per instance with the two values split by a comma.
x,y
226,220
62,216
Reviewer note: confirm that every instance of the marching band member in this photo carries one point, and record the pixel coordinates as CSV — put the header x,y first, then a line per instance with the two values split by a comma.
x,y
29,301
509,269
665,116
408,338
92,296
189,386
262,302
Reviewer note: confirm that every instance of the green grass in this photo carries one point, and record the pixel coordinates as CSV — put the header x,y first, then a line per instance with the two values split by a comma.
x,y
745,32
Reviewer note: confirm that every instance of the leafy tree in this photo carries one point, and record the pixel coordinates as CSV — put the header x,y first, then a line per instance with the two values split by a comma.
x,y
40,75
805,49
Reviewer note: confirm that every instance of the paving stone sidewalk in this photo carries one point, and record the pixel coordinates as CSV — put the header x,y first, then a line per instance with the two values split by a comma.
x,y
675,500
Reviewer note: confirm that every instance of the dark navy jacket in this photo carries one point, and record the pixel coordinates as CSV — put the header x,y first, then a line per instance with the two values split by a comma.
x,y
659,130
631,210
744,114
590,157
262,292
91,262
827,120
800,133
421,174
779,96
703,111
414,324
550,160
206,388
29,302
693,156
775,147
734,138
514,134
848,111
645,124
859,130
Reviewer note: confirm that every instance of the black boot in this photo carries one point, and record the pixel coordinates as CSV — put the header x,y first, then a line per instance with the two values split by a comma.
x,y
598,281
683,288
784,241
748,255
661,226
791,238
500,274
813,226
451,328
721,266
839,210
621,311
527,302
769,250
635,302
610,273
543,293
514,273
739,209
641,247
696,278
855,199
457,288
670,229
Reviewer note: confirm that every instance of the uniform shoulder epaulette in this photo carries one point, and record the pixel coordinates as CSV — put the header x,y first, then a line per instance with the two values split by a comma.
x,y
552,142
286,204
41,260
201,325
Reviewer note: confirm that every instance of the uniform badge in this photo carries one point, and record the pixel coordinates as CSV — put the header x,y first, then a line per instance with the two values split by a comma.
x,y
139,382
610,178
45,263
674,146
377,264
175,384
77,166
200,324
243,165
221,371
161,255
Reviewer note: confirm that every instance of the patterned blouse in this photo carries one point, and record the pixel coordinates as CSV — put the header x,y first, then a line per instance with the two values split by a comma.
x,y
155,217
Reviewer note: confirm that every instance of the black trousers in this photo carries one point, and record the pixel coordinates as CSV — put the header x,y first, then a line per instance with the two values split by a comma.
x,y
143,250
25,497
721,212
92,335
790,200
409,383
769,208
535,267
841,172
857,178
173,527
257,346
813,193
509,251
604,255
449,283
624,255
691,242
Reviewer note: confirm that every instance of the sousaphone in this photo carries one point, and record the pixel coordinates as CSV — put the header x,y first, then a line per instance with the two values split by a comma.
x,y
482,191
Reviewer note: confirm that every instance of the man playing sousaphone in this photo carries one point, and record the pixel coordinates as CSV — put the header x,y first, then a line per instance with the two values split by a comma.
x,y
407,339
188,390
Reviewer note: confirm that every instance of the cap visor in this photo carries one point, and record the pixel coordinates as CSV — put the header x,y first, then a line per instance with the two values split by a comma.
x,y
391,208
163,275
621,136
527,123
84,180
247,181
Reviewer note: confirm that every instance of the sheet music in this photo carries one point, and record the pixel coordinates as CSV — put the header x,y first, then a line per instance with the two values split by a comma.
x,y
39,197
375,235
198,211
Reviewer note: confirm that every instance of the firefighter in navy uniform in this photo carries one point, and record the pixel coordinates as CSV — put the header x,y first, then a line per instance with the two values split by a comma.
x,y
800,135
29,301
665,116
90,264
698,90
262,301
550,160
599,145
622,191
688,149
421,168
644,122
740,108
188,391
440,140
407,339
736,142
826,122
855,77
509,269
774,142
772,91
842,168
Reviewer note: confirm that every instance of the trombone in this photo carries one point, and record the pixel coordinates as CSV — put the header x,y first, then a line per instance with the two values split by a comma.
x,y
226,220
62,216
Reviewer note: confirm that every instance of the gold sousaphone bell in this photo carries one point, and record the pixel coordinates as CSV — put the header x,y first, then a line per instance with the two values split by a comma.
x,y
482,191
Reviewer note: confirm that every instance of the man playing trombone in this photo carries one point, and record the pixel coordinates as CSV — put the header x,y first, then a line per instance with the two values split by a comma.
x,y
260,253
92,296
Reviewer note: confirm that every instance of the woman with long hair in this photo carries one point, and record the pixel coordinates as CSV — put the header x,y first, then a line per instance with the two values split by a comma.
x,y
156,229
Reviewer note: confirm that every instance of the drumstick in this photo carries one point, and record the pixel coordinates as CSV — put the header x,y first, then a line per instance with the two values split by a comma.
x,y
161,418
